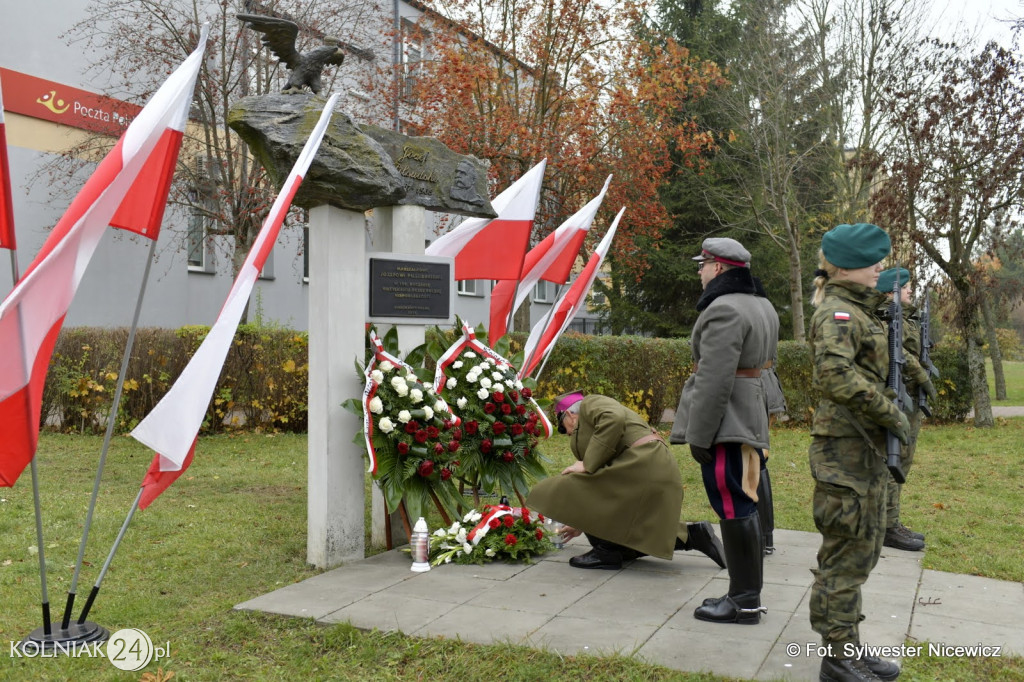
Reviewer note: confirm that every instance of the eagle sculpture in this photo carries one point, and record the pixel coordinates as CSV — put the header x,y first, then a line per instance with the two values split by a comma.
x,y
304,68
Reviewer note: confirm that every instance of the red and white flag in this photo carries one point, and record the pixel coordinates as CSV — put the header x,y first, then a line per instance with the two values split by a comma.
x,y
486,248
546,332
172,427
551,260
6,202
32,314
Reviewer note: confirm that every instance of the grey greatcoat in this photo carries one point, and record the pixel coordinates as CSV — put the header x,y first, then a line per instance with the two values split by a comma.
x,y
629,495
735,331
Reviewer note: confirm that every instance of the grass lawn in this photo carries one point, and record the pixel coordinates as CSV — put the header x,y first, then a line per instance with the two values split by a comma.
x,y
233,527
1014,374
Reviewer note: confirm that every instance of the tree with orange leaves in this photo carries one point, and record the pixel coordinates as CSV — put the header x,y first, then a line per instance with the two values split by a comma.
x,y
514,82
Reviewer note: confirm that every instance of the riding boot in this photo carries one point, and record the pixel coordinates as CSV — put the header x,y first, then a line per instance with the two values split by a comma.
x,y
744,558
766,510
701,537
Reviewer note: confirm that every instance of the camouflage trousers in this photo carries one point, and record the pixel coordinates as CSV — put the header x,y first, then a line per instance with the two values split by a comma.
x,y
849,511
892,511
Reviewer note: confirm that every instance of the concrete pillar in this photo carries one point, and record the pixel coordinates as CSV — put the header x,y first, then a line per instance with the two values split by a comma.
x,y
337,300
398,229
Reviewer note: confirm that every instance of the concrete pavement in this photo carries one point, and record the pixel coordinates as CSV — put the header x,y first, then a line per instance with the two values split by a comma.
x,y
646,609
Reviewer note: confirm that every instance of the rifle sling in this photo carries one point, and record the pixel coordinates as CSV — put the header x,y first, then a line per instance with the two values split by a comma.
x,y
845,411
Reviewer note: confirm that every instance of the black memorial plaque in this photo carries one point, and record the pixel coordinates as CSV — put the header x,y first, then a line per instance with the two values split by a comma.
x,y
413,289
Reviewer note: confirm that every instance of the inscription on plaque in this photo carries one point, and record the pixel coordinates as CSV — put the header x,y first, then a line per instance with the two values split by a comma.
x,y
412,289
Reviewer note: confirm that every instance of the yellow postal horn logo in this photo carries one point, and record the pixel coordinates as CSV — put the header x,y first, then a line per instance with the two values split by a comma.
x,y
51,102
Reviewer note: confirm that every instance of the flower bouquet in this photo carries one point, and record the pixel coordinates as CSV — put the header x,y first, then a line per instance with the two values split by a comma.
x,y
494,532
501,423
411,437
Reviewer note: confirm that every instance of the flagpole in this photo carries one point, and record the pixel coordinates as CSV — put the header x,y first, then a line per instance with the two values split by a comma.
x,y
547,320
111,420
110,557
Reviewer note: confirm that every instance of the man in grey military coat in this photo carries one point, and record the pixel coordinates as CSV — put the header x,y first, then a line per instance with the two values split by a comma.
x,y
723,415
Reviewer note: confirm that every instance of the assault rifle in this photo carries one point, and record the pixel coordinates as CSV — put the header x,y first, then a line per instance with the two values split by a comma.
x,y
926,352
895,382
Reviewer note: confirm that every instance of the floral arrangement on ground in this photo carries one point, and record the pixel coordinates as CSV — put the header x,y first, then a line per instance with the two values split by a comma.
x,y
495,532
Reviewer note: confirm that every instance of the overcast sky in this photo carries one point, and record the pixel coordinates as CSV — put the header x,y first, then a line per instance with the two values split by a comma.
x,y
986,16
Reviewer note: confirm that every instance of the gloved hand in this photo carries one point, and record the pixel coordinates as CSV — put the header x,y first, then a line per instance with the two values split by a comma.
x,y
704,456
929,388
902,429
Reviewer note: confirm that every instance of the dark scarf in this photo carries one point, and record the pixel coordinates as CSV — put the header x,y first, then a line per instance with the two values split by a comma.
x,y
735,281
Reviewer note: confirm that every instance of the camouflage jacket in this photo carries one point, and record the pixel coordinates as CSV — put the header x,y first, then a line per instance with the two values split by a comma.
x,y
850,347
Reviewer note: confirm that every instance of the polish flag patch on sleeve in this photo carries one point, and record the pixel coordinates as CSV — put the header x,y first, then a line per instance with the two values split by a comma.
x,y
841,316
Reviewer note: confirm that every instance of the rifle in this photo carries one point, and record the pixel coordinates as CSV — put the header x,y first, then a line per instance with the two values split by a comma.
x,y
926,352
895,381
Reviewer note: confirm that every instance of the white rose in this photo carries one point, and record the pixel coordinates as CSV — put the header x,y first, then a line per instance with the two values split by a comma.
x,y
439,406
411,377
404,416
461,402
457,364
490,552
519,385
469,354
402,390
386,425
483,394
376,405
427,413
472,377
386,366
468,548
497,376
492,361
416,395
397,381
452,383
485,382
377,376
503,367
510,385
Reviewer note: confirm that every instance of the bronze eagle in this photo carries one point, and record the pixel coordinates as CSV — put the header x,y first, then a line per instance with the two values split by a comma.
x,y
304,68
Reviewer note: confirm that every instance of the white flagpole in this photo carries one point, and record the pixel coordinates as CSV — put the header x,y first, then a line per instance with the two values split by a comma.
x,y
546,320
111,421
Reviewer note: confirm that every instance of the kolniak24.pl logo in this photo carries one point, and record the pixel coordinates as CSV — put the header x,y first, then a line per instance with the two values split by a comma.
x,y
128,649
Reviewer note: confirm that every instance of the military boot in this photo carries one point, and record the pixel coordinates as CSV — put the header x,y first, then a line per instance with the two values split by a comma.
x,y
744,558
845,670
907,531
701,537
883,669
766,511
897,539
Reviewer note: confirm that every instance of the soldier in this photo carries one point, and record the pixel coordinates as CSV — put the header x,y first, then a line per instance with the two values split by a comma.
x,y
849,347
623,490
723,415
897,535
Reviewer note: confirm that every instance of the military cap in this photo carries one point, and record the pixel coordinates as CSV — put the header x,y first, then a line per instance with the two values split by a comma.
x,y
855,246
888,278
724,250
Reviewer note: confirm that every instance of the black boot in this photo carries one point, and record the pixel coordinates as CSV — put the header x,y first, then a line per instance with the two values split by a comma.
x,y
604,554
845,670
744,559
766,510
701,537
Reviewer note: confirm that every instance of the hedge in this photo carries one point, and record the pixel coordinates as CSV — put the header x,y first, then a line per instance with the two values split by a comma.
x,y
263,383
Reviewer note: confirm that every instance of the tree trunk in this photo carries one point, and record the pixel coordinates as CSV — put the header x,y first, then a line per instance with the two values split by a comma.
x,y
979,385
521,318
796,295
993,349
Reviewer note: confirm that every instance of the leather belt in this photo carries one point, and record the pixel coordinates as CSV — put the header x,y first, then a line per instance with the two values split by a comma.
x,y
747,372
645,439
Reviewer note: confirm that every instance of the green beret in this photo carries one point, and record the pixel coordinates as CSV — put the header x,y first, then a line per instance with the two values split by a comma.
x,y
855,246
888,278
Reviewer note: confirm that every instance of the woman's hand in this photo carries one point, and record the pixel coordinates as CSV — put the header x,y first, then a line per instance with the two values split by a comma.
x,y
574,468
568,533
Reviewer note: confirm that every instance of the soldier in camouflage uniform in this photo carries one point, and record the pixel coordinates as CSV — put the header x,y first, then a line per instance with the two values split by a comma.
x,y
849,346
916,379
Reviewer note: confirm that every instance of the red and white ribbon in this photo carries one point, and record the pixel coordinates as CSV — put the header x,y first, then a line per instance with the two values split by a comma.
x,y
491,512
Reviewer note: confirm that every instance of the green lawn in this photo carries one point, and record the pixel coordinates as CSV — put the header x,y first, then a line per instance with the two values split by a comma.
x,y
1013,372
233,527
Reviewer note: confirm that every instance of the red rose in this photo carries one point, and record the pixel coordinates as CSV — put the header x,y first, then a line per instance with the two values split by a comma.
x,y
494,523
446,474
420,436
485,446
453,445
499,397
432,432
510,539
457,434
498,428
517,429
540,518
508,520
506,409
489,408
526,516
529,428
527,393
403,448
426,468
508,456
448,424
539,534
410,427
471,427
514,395
520,409
438,449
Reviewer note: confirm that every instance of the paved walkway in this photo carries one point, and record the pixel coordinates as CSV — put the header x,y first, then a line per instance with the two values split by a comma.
x,y
646,609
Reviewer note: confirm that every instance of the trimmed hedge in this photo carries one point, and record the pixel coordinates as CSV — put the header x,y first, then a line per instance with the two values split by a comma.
x,y
263,385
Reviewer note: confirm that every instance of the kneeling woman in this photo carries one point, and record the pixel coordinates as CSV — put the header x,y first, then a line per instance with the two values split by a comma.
x,y
624,491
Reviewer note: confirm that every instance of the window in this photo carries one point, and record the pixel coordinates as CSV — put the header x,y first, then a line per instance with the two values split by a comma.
x,y
543,292
199,224
413,52
468,287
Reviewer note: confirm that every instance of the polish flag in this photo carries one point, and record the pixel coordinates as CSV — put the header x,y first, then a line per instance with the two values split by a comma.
x,y
172,427
32,314
551,260
485,248
6,202
546,332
